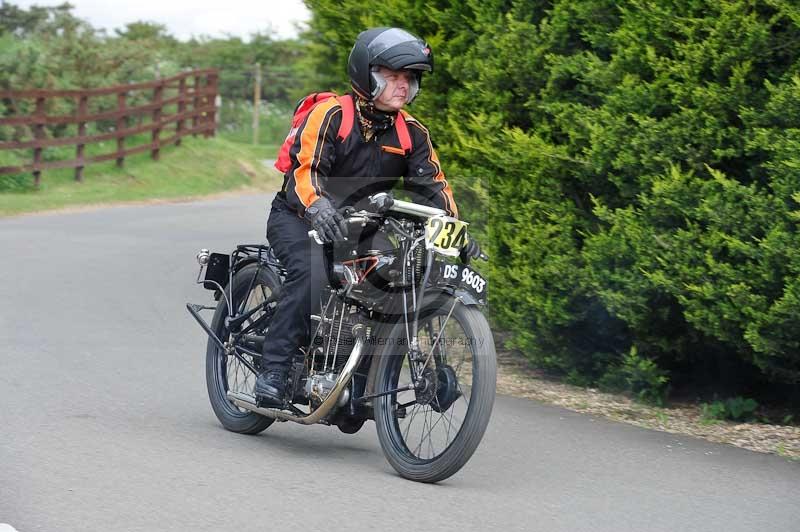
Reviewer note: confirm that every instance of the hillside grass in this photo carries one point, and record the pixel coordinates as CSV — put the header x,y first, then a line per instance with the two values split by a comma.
x,y
198,167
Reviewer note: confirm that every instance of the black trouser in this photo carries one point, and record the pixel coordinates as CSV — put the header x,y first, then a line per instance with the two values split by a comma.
x,y
303,260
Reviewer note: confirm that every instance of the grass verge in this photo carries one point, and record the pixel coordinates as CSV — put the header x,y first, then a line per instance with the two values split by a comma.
x,y
516,377
198,167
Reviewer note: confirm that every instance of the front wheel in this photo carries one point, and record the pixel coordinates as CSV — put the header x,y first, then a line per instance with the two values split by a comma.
x,y
430,432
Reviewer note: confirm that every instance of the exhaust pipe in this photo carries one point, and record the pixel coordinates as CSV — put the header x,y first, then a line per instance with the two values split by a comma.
x,y
244,401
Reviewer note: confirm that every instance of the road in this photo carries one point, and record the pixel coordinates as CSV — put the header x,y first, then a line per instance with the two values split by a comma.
x,y
105,424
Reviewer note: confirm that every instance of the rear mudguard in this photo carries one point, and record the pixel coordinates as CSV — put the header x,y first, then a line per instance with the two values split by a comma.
x,y
241,264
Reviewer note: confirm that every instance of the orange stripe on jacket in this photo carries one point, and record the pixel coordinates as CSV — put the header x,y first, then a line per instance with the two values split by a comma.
x,y
392,149
312,140
447,192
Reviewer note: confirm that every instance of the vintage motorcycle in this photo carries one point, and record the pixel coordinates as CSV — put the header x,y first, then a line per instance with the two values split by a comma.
x,y
400,338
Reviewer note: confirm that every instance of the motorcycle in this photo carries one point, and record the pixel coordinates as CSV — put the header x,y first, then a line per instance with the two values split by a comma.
x,y
400,338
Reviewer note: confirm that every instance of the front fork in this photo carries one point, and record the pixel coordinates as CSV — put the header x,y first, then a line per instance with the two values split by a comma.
x,y
417,360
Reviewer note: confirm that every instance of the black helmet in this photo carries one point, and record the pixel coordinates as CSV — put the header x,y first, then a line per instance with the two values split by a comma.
x,y
392,48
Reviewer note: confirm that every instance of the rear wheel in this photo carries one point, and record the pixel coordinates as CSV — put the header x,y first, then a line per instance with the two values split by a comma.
x,y
430,432
251,286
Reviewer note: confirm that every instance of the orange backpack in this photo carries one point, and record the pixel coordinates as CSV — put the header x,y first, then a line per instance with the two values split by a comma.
x,y
284,162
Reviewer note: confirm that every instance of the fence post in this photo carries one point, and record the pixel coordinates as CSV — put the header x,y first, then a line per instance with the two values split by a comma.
x,y
156,120
121,96
83,104
38,133
195,105
256,102
211,101
181,109
218,107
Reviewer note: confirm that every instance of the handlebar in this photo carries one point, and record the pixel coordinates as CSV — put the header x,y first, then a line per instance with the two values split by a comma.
x,y
385,203
381,203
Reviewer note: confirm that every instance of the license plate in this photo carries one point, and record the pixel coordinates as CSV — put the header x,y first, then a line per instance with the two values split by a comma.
x,y
465,277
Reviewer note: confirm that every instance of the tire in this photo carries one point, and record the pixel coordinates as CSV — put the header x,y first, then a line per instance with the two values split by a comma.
x,y
225,372
426,462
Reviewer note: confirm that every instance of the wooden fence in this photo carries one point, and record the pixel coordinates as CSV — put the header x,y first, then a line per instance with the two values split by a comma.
x,y
191,94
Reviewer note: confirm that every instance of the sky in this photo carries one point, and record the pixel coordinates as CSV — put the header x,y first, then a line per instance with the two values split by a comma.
x,y
184,18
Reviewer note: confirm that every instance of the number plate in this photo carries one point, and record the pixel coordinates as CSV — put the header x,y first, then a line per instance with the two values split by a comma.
x,y
464,277
445,235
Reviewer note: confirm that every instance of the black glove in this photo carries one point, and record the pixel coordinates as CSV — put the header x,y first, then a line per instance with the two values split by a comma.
x,y
471,250
327,222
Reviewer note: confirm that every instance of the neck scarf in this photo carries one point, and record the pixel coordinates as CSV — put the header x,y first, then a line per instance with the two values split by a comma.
x,y
372,121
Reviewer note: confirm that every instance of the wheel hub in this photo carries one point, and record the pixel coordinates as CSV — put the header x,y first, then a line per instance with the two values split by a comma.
x,y
446,389
438,388
426,387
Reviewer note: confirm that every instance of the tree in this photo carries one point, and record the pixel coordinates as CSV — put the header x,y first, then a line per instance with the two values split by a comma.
x,y
146,31
23,22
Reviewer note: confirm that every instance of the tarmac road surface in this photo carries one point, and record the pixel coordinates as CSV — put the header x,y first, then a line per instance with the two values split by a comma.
x,y
105,424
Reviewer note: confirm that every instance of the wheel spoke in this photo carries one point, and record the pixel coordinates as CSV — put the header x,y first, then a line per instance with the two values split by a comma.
x,y
430,440
441,332
442,347
433,426
410,421
450,424
422,434
463,395
426,433
449,421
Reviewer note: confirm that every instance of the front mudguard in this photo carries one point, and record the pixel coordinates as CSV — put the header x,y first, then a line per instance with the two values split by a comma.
x,y
467,298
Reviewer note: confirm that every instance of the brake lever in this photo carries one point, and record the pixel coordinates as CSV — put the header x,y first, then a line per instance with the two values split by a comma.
x,y
483,256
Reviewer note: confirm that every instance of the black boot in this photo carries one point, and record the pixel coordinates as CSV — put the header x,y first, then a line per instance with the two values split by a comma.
x,y
271,388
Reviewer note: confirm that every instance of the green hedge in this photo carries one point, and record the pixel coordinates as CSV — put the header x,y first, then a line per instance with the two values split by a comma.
x,y
633,167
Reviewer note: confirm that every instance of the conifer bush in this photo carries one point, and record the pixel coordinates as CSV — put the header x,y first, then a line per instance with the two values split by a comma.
x,y
633,169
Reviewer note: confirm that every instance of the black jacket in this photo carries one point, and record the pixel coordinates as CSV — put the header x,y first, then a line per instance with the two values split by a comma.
x,y
347,171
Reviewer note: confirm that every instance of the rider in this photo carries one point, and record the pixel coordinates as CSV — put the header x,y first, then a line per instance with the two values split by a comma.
x,y
385,69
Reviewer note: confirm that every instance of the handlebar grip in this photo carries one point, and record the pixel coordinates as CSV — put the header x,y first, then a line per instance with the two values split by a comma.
x,y
313,234
381,202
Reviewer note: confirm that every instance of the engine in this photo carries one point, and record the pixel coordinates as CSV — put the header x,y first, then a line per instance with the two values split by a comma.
x,y
331,348
334,339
